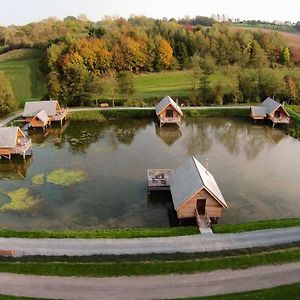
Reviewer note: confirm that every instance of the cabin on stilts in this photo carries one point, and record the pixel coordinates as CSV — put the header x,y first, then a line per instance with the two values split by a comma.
x,y
195,193
168,112
42,113
270,110
13,142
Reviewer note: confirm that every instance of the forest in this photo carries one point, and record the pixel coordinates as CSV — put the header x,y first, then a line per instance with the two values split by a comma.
x,y
85,61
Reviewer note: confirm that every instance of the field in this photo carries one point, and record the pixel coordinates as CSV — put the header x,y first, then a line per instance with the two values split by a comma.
x,y
21,67
178,84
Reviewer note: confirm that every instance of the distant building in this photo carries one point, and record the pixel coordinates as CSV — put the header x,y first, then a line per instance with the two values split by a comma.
x,y
270,110
42,113
168,112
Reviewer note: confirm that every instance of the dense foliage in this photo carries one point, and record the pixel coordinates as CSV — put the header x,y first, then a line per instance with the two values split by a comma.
x,y
86,60
7,99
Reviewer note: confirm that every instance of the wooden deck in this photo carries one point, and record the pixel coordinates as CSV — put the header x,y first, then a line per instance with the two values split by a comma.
x,y
159,179
60,115
173,120
22,148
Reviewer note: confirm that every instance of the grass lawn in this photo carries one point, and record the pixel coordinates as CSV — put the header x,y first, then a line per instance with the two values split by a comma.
x,y
109,233
259,225
290,291
149,267
21,67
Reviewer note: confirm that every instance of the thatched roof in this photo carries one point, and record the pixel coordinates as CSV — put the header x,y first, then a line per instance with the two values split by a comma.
x,y
164,103
189,179
31,109
43,117
8,136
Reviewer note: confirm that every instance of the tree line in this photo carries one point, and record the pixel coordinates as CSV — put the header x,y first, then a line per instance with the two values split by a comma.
x,y
85,60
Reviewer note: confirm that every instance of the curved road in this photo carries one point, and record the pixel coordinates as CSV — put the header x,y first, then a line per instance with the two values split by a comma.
x,y
150,287
184,244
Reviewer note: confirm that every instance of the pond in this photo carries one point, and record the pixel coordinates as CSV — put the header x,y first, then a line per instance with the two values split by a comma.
x,y
92,175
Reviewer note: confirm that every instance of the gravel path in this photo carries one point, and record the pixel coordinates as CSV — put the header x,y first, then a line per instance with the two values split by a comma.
x,y
185,244
151,287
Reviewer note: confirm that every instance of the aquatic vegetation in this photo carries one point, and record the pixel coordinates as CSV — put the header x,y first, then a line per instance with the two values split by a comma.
x,y
38,179
20,200
66,177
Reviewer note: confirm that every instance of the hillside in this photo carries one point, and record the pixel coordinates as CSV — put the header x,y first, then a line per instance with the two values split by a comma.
x,y
292,39
21,67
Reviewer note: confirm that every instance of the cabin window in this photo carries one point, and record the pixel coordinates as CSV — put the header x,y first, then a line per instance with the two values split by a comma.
x,y
277,114
169,113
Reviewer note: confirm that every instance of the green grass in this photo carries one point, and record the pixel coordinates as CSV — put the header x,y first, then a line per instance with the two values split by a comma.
x,y
290,291
178,83
5,297
258,225
217,112
102,233
147,268
86,116
21,67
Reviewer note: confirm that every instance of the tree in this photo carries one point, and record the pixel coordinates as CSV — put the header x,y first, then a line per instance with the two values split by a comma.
x,y
165,53
269,84
292,89
8,101
194,78
248,85
125,84
258,58
286,57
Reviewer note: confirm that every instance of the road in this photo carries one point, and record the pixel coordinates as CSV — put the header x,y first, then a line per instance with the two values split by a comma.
x,y
151,287
184,244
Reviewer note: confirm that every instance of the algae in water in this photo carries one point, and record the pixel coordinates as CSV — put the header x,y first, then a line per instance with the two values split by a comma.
x,y
38,179
20,201
66,177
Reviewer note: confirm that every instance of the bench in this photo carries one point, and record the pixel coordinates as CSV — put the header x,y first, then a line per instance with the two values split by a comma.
x,y
103,105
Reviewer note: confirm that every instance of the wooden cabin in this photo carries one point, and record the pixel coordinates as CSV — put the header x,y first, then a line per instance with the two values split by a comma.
x,y
13,141
195,192
42,108
270,110
168,112
40,120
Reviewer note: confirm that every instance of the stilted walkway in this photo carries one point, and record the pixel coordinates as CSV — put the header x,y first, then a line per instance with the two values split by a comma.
x,y
184,244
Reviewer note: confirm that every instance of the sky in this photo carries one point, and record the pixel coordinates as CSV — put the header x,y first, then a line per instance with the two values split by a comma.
x,y
21,12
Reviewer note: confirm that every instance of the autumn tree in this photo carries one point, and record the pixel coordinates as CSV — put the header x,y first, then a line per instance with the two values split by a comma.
x,y
292,88
165,53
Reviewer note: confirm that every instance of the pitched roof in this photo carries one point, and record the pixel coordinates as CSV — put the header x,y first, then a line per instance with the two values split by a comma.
x,y
191,177
8,136
31,109
164,103
270,105
258,111
43,117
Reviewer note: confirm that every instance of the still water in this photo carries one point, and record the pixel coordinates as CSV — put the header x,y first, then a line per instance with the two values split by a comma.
x,y
257,169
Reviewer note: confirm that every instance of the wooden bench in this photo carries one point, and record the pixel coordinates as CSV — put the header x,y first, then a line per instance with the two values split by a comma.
x,y
104,105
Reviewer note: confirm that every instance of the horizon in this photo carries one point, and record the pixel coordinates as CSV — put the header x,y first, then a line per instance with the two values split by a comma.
x,y
18,12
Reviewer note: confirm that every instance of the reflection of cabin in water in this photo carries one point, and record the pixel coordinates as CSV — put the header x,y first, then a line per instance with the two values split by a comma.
x,y
168,112
195,191
270,110
168,134
13,141
42,113
15,170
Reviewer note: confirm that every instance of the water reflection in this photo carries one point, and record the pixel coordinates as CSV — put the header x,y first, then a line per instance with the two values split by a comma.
x,y
115,156
168,134
15,169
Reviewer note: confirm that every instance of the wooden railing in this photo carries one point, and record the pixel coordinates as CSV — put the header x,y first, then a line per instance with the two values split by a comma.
x,y
170,120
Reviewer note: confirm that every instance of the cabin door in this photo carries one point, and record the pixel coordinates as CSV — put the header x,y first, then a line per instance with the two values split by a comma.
x,y
169,113
201,203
